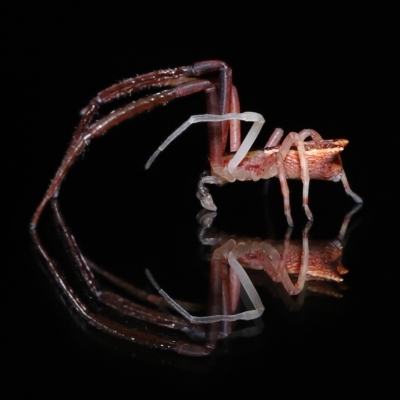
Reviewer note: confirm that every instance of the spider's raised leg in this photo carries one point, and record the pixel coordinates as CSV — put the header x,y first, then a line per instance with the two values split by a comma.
x,y
203,193
184,81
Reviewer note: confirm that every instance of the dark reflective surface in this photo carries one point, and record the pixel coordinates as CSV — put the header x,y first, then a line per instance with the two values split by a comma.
x,y
344,88
105,305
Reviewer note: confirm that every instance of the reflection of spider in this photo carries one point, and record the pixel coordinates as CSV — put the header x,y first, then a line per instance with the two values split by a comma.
x,y
314,261
134,315
317,159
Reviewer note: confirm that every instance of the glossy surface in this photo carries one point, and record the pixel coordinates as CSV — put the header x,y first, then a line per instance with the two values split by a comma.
x,y
329,67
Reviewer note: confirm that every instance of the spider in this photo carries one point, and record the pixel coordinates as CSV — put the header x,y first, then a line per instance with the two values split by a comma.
x,y
294,158
315,159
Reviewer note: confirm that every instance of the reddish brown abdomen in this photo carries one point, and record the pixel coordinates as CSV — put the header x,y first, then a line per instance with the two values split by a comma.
x,y
323,159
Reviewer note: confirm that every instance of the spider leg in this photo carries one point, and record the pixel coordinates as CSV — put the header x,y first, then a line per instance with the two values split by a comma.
x,y
305,133
294,138
203,194
284,188
296,288
317,138
184,82
88,312
347,189
275,138
221,255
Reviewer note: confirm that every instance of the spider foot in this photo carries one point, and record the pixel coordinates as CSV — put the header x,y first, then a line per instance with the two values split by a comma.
x,y
308,212
289,218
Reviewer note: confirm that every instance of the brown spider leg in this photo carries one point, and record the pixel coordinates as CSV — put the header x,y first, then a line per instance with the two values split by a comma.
x,y
178,77
225,300
216,293
234,290
294,138
158,79
225,284
100,127
118,90
234,124
203,193
225,98
139,293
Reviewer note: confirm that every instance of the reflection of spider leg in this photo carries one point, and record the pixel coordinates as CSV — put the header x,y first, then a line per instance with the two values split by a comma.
x,y
203,194
107,311
222,254
296,139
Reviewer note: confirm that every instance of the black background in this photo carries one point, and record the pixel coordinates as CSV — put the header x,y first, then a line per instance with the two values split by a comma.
x,y
331,68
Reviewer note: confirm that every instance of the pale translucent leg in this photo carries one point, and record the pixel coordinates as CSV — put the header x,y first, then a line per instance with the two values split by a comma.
x,y
234,124
347,189
243,149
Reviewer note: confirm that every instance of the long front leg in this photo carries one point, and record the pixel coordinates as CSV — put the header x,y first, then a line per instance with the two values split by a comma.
x,y
82,138
184,81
